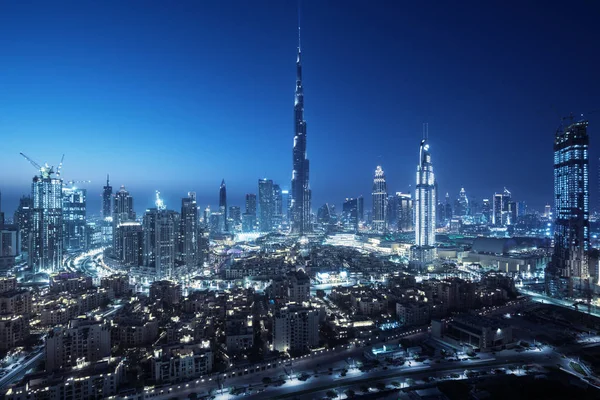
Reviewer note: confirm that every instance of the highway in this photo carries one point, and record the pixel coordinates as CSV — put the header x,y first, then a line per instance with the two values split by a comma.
x,y
19,371
542,298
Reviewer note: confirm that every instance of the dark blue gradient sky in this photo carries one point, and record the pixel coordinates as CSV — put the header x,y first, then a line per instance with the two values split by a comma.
x,y
178,95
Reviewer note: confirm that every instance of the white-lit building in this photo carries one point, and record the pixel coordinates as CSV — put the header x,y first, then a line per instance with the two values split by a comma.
x,y
295,328
425,205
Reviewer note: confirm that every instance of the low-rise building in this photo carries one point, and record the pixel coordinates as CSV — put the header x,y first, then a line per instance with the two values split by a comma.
x,y
96,380
14,329
295,328
472,332
413,313
16,301
72,282
172,364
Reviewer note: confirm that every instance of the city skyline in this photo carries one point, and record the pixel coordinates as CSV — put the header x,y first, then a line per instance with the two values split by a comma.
x,y
525,176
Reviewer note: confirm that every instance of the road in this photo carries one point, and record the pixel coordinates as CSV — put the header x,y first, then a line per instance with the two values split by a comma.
x,y
17,373
541,298
325,381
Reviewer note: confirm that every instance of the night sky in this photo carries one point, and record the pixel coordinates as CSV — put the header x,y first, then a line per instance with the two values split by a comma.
x,y
177,95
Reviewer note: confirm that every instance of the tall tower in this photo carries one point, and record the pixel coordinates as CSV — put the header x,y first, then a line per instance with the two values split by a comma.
x,y
265,205
122,213
223,205
188,244
74,218
160,229
424,207
379,200
106,200
249,216
301,193
47,225
569,266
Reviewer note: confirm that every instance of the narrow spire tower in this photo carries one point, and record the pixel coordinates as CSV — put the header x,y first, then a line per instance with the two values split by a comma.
x,y
301,193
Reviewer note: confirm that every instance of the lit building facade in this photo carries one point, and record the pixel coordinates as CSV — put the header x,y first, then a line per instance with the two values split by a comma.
x,y
425,205
569,266
265,205
47,225
188,241
501,210
379,200
107,200
223,205
301,193
74,218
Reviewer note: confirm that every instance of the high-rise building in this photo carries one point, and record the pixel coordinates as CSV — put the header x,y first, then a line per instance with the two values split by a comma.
x,y
486,211
301,193
379,200
295,328
501,210
569,267
131,239
461,207
122,212
360,209
404,212
286,201
23,219
265,205
223,205
188,239
249,217
107,200
46,234
161,228
424,207
235,216
350,214
277,206
74,218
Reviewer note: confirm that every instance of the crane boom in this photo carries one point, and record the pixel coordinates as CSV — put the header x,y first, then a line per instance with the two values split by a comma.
x,y
36,165
60,166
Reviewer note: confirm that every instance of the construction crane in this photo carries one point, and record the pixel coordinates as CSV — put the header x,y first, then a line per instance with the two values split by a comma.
x,y
44,170
60,166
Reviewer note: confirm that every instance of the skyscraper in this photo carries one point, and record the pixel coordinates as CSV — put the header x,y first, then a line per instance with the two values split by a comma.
x,y
265,205
379,200
249,216
161,228
301,193
74,218
461,207
277,206
107,200
569,265
350,216
23,220
46,234
188,240
501,211
405,212
122,213
424,207
223,205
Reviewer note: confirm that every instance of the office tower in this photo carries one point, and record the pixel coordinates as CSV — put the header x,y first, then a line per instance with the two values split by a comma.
x,y
547,211
350,214
249,217
486,211
161,227
461,207
216,224
107,200
379,200
286,203
265,205
360,209
74,218
130,236
277,206
501,214
46,234
81,340
424,207
404,212
223,205
301,193
569,265
122,212
391,213
188,234
206,216
235,218
324,215
23,218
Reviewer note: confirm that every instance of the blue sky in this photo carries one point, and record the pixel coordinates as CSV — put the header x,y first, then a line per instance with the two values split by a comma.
x,y
178,95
